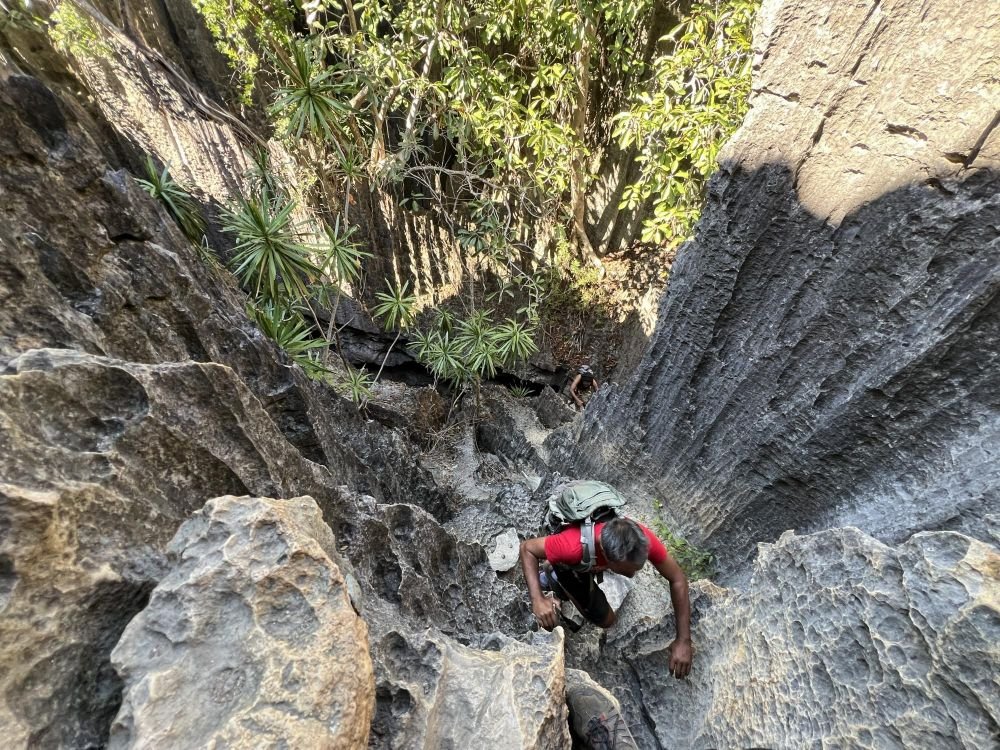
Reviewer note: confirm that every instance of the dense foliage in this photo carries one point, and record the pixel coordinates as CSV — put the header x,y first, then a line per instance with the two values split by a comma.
x,y
477,111
696,97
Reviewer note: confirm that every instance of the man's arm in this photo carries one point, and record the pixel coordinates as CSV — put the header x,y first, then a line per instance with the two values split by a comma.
x,y
572,391
546,611
680,649
597,384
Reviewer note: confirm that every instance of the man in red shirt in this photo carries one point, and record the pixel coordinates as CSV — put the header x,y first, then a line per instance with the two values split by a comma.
x,y
623,547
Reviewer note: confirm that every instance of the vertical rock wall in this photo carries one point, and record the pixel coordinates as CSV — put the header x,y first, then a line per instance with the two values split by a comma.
x,y
825,352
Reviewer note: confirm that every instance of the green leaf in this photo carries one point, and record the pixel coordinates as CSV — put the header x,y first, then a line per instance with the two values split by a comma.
x,y
269,259
396,307
178,201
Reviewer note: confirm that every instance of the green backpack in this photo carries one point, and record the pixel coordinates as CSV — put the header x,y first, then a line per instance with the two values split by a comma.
x,y
583,503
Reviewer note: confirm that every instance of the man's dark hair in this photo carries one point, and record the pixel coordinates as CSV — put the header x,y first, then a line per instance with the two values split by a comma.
x,y
624,541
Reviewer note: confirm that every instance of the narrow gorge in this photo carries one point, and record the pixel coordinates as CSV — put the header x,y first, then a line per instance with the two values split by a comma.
x,y
203,546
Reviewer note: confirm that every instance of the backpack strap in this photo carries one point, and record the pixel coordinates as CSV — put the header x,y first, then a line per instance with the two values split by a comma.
x,y
588,545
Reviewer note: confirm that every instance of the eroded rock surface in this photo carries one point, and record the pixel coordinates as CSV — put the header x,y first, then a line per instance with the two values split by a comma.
x,y
133,389
552,409
250,640
838,639
823,354
439,693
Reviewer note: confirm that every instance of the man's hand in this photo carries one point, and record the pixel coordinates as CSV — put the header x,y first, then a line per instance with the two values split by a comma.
x,y
546,611
680,658
680,649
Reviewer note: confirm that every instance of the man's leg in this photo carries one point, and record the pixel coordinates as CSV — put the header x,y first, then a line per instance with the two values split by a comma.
x,y
582,590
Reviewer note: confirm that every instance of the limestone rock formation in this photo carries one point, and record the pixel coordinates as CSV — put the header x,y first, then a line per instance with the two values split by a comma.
x,y
838,638
552,410
825,355
133,389
102,460
824,351
250,640
505,694
415,574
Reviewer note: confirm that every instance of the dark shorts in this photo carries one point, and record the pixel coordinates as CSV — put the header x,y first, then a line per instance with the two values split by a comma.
x,y
584,592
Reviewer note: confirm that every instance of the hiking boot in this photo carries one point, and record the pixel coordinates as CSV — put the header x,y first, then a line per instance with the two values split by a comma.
x,y
595,720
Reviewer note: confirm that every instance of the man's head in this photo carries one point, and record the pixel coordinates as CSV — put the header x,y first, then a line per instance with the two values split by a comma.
x,y
585,370
625,546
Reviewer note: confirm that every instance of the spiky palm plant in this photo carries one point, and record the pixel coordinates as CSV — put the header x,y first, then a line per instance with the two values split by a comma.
x,y
288,329
359,385
161,185
342,257
446,359
478,339
444,320
397,308
514,341
270,259
311,99
260,174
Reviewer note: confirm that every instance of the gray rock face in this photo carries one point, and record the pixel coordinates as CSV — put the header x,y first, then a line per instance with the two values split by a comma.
x,y
132,389
101,462
250,640
506,694
552,410
824,352
838,639
507,430
416,575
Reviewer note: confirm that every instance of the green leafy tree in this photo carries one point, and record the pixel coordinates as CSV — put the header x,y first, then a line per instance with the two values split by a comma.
x,y
243,30
75,32
476,111
696,97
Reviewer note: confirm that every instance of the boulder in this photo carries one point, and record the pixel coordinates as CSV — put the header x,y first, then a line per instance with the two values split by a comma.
x,y
505,694
837,639
510,431
504,555
416,574
102,460
552,409
250,639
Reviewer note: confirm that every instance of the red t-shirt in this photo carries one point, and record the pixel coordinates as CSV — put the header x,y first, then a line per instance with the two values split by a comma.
x,y
564,548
